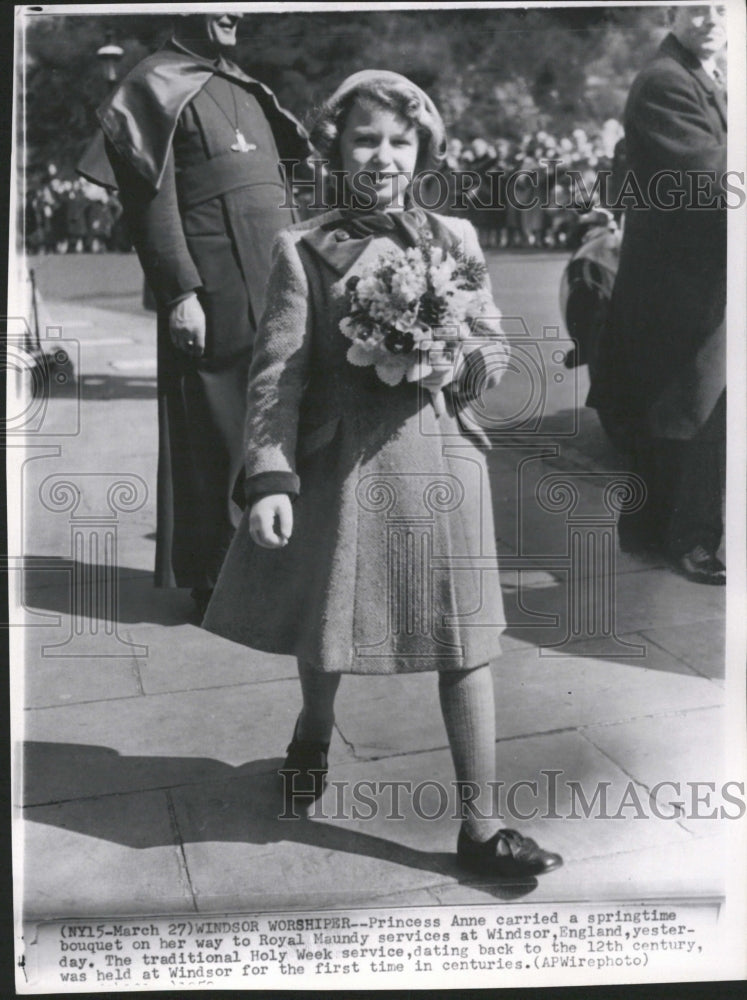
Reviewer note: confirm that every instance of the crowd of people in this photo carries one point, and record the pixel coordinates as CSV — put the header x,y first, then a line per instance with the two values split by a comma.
x,y
72,216
505,178
532,193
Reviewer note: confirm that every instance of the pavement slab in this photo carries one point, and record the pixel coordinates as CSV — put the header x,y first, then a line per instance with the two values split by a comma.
x,y
52,681
682,748
545,693
158,741
195,659
109,856
240,854
633,602
700,645
384,716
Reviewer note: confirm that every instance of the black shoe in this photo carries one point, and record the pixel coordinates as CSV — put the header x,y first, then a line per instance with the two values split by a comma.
x,y
507,855
304,771
702,566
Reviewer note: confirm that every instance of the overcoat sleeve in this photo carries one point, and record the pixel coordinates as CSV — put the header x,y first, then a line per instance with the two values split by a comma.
x,y
666,109
278,376
156,230
485,363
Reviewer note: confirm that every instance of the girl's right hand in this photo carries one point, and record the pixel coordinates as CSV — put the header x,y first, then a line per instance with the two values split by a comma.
x,y
271,521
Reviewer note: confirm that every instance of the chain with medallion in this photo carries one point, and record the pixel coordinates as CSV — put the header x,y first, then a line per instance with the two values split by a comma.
x,y
241,145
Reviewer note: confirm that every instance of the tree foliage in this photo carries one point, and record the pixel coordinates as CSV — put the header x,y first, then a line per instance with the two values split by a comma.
x,y
493,72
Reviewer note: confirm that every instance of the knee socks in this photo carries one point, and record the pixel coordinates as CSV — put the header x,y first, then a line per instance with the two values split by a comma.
x,y
468,707
317,718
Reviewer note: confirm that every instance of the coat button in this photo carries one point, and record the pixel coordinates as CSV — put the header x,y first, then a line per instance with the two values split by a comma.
x,y
341,235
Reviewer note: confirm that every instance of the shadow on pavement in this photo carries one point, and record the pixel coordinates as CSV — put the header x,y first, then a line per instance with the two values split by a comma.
x,y
213,802
49,586
542,616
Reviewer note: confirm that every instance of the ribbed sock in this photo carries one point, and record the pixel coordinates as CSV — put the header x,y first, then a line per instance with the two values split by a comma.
x,y
468,707
317,718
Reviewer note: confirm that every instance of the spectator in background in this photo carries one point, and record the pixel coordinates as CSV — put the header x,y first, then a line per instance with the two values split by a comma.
x,y
76,218
660,382
102,211
481,210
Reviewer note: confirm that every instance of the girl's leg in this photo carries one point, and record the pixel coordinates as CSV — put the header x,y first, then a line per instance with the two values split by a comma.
x,y
468,707
304,772
317,718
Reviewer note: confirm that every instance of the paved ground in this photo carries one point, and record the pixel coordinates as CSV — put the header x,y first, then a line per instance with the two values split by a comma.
x,y
151,746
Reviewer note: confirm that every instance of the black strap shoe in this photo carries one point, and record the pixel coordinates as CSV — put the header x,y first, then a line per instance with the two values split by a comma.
x,y
304,771
506,855
702,566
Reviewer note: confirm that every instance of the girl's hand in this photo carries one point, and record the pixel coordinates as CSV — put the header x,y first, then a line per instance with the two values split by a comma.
x,y
271,521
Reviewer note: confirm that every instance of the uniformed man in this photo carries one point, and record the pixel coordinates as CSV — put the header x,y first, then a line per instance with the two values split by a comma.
x,y
195,144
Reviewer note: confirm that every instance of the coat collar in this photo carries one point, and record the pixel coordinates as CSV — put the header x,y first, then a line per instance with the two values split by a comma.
x,y
673,48
337,245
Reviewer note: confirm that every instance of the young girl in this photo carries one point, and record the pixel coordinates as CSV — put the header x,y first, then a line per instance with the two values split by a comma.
x,y
368,545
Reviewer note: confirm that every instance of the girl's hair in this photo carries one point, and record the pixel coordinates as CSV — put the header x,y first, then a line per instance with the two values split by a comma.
x,y
387,90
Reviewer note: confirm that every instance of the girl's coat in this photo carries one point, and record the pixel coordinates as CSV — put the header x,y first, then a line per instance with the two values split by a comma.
x,y
392,564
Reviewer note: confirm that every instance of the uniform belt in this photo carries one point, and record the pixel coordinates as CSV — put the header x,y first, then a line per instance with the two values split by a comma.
x,y
227,172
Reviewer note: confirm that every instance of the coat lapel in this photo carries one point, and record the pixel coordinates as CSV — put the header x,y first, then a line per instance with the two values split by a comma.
x,y
334,246
715,96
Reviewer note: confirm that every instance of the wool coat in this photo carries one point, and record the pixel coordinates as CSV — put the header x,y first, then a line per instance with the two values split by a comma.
x,y
660,368
392,563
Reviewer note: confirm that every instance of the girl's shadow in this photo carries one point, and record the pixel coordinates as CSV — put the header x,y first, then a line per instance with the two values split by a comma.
x,y
95,791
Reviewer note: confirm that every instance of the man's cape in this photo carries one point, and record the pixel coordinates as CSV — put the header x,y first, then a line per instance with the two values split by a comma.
x,y
140,117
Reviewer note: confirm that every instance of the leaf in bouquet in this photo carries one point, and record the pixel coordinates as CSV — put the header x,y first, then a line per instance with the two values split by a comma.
x,y
432,308
470,273
425,246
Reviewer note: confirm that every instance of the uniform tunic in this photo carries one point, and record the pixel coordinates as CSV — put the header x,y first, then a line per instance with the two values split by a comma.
x,y
392,563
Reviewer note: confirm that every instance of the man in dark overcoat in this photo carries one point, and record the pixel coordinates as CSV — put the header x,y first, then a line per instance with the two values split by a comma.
x,y
195,144
659,376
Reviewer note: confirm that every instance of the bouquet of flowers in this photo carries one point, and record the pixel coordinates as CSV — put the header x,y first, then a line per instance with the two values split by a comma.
x,y
410,313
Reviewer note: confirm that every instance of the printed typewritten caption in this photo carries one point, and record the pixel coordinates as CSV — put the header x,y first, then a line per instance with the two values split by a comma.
x,y
514,945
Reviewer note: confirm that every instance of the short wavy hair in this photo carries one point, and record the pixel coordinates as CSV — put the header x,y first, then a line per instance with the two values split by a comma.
x,y
388,90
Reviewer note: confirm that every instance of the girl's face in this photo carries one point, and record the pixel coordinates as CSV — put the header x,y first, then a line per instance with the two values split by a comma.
x,y
379,151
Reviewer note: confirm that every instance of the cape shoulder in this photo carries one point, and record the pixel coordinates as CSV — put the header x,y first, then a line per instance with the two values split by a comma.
x,y
139,118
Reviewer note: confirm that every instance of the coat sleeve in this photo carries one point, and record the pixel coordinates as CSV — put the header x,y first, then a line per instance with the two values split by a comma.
x,y
485,362
665,109
278,376
155,228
